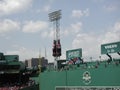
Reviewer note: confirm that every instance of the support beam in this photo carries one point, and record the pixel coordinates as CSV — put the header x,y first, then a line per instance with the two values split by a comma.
x,y
110,58
118,53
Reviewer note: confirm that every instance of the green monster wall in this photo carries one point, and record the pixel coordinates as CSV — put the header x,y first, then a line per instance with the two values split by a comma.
x,y
103,75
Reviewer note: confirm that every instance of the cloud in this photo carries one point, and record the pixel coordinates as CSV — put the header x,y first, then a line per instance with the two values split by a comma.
x,y
76,27
112,35
112,6
13,6
45,8
8,25
34,26
80,13
48,34
72,29
23,53
98,1
44,34
26,53
117,26
90,43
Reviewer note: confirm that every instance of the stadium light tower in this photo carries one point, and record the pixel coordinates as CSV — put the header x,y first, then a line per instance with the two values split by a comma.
x,y
55,18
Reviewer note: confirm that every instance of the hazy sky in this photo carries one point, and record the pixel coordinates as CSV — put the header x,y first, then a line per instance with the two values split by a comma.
x,y
25,28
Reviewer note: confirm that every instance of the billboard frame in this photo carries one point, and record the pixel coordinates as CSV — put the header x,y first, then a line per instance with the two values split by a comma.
x,y
110,48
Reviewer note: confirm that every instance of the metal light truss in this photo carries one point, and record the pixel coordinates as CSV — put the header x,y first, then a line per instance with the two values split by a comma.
x,y
55,15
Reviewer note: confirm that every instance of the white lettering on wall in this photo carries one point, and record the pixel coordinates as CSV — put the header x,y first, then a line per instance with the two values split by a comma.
x,y
111,46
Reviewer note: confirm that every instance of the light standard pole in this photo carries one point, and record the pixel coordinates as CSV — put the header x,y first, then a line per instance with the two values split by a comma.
x,y
55,18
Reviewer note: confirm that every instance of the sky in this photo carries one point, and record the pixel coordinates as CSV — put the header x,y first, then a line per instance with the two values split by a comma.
x,y
25,28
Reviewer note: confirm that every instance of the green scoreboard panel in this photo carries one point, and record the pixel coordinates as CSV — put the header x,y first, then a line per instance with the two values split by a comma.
x,y
110,48
73,53
73,56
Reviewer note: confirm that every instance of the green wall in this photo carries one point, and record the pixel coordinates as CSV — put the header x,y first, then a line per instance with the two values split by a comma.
x,y
49,80
101,76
